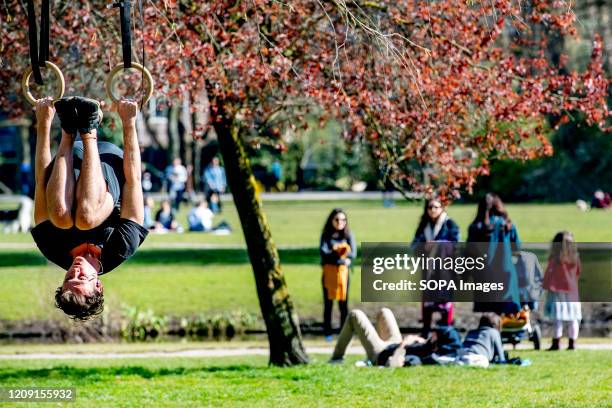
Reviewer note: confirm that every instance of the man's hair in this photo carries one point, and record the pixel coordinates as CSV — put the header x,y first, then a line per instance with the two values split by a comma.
x,y
490,319
79,307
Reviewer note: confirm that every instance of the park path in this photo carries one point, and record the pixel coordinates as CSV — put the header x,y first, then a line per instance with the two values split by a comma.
x,y
218,352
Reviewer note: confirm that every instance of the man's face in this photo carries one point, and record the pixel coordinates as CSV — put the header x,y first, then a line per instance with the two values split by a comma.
x,y
82,278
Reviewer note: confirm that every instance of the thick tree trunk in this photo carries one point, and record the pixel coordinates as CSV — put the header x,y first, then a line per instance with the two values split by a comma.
x,y
276,306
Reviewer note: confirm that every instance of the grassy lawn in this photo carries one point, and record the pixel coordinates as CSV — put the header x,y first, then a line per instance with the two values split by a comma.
x,y
300,222
247,381
179,281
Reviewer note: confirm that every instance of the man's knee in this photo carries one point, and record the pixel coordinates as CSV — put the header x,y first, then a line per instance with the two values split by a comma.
x,y
385,312
60,216
86,217
356,314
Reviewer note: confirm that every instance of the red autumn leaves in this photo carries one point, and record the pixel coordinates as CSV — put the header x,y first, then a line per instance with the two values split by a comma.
x,y
438,88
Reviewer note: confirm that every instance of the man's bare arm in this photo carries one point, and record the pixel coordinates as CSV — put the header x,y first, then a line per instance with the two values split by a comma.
x,y
44,117
132,206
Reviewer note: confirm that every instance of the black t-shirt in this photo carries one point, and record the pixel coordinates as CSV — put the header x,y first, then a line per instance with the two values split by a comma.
x,y
118,237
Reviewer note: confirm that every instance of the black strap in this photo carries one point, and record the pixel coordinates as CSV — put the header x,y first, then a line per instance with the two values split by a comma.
x,y
126,34
38,56
43,53
142,27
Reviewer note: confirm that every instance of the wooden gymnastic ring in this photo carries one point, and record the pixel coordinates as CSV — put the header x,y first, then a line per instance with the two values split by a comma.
x,y
25,82
119,68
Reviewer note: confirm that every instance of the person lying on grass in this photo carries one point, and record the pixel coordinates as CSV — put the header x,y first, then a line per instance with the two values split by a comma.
x,y
384,344
481,346
88,205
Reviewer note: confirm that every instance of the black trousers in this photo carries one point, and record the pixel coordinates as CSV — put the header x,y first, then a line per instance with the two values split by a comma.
x,y
327,309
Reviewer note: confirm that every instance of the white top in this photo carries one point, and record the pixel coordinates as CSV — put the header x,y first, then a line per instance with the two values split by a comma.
x,y
201,215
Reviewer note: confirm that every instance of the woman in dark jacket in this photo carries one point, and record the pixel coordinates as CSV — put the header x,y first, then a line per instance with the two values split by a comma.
x,y
338,249
435,226
493,234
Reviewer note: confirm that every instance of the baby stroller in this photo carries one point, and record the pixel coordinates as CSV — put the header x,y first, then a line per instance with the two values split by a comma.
x,y
517,324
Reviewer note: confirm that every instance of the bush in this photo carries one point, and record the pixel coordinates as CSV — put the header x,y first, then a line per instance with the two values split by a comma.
x,y
140,325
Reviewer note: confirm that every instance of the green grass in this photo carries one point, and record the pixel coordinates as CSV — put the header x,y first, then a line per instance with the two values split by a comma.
x,y
300,222
178,281
578,379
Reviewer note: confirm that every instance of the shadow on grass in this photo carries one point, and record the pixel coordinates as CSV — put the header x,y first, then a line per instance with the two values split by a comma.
x,y
21,258
67,372
175,256
219,256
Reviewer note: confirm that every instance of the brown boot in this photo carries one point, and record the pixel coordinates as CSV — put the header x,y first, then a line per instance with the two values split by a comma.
x,y
555,345
572,344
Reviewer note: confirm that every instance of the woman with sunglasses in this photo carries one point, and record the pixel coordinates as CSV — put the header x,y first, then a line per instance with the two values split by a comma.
x,y
435,226
338,249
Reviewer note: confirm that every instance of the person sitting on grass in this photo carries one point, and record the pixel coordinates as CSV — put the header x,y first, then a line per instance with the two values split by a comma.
x,y
384,344
443,340
88,205
165,219
481,346
200,218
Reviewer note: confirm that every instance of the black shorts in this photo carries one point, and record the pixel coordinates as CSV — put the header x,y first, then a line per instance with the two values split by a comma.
x,y
111,158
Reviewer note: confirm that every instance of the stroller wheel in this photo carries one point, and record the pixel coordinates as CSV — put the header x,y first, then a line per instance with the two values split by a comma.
x,y
536,336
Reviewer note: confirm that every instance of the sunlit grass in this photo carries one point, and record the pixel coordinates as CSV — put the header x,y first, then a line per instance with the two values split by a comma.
x,y
248,381
300,222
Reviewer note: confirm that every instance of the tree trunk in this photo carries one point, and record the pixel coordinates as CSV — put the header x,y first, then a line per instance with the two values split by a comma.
x,y
174,138
276,306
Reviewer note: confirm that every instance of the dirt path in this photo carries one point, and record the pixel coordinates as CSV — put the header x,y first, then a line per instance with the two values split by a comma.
x,y
216,352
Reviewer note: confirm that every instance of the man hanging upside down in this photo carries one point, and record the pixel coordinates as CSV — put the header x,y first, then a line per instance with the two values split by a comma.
x,y
88,206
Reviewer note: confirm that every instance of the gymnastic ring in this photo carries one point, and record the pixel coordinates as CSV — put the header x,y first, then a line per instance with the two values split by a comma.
x,y
119,68
25,82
